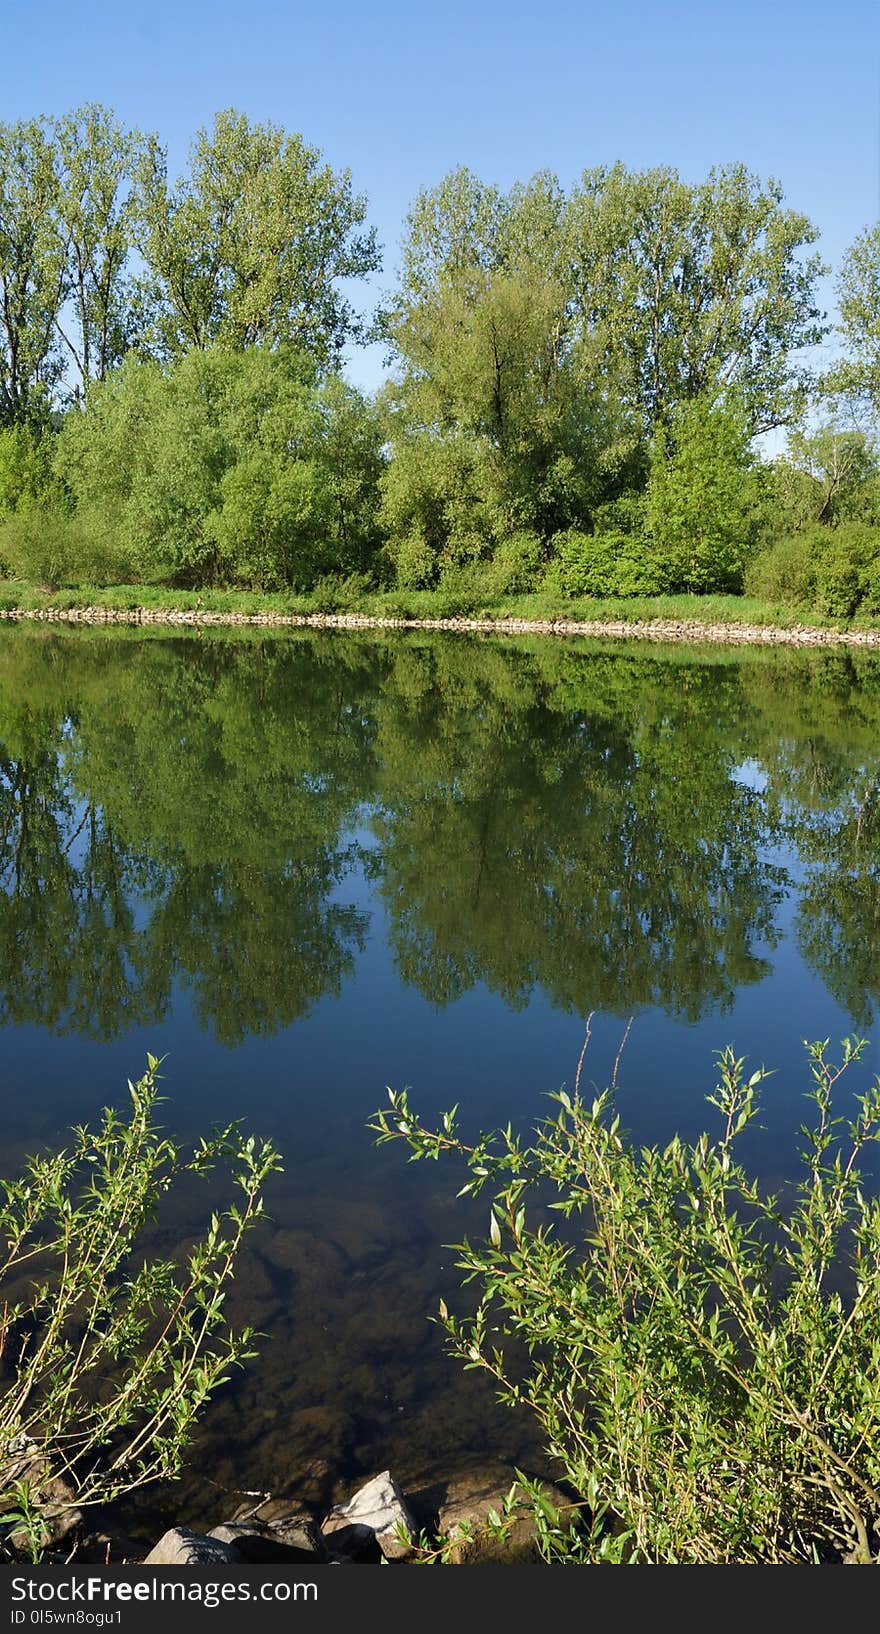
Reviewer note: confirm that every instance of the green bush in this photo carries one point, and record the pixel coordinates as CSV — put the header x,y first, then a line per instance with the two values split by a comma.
x,y
702,1359
108,1356
228,469
843,558
27,475
703,503
832,571
47,547
606,564
784,572
516,565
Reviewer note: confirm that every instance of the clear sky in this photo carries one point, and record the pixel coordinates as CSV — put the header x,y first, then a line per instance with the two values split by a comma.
x,y
401,93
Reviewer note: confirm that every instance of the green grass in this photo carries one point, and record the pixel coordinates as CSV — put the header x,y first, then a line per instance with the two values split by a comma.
x,y
425,604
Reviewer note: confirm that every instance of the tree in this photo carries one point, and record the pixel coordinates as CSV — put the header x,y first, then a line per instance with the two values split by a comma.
x,y
227,467
858,292
702,500
543,340
682,291
841,464
96,160
33,270
481,328
252,245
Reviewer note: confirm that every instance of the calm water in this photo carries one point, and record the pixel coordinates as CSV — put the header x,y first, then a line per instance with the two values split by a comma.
x,y
309,866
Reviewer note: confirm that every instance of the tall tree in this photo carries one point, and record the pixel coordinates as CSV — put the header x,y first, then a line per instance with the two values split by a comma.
x,y
96,160
685,290
253,244
33,269
858,292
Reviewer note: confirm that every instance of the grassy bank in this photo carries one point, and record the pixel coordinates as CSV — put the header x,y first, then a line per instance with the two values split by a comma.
x,y
428,604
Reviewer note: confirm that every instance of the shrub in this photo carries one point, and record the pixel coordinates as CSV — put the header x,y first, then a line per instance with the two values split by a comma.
x,y
108,1356
516,565
703,1361
703,500
413,563
228,469
49,547
785,571
607,564
833,571
843,557
26,468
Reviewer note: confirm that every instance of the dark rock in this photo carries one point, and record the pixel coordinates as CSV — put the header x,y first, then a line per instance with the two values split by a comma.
x,y
294,1541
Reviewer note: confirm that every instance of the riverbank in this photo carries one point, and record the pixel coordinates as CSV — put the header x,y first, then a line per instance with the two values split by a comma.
x,y
726,620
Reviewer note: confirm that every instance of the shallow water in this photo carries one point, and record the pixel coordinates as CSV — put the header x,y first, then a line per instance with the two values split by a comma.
x,y
306,866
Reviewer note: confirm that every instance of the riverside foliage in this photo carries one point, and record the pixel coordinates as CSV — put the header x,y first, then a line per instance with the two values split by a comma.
x,y
110,1354
702,1358
580,379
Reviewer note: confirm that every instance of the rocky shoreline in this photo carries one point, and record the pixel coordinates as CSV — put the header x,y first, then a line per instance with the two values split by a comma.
x,y
477,1517
663,630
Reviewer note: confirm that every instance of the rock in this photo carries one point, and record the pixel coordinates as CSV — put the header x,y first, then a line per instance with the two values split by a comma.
x,y
294,1541
469,1498
181,1547
370,1519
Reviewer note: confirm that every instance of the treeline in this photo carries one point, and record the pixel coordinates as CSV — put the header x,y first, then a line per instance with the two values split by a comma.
x,y
579,383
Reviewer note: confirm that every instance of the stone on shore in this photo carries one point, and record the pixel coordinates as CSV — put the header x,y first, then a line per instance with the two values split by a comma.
x,y
369,1520
181,1547
293,1541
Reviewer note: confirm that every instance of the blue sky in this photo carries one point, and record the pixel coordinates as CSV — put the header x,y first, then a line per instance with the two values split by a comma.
x,y
401,93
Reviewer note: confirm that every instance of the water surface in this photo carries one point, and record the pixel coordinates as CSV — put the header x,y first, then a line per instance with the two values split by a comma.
x,y
308,865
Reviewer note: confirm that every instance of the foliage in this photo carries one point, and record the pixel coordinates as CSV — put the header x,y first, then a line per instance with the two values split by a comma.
x,y
229,468
785,571
27,475
109,1353
95,165
834,571
610,563
47,546
841,466
702,1358
252,246
858,293
33,270
543,339
261,242
702,499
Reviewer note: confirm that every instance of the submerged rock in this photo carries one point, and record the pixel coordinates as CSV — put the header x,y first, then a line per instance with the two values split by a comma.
x,y
463,1520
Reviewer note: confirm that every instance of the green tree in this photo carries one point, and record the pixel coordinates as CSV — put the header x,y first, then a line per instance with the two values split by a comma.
x,y
33,270
858,294
841,465
227,468
96,160
492,429
703,500
685,291
254,243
